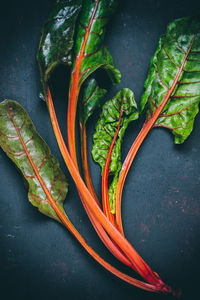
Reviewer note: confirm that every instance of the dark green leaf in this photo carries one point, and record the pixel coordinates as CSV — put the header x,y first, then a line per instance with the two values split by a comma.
x,y
90,54
57,36
106,128
23,145
92,96
174,78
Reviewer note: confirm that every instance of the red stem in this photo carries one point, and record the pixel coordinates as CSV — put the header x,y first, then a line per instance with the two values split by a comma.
x,y
85,164
114,249
74,91
73,230
142,268
71,115
105,197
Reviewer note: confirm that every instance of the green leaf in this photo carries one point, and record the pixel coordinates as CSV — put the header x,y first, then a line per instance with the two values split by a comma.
x,y
57,37
90,54
29,152
106,128
92,96
174,78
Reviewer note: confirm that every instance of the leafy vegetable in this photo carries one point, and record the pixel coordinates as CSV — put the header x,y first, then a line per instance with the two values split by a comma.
x,y
45,73
172,89
138,263
92,96
57,38
90,55
47,184
174,78
106,128
32,156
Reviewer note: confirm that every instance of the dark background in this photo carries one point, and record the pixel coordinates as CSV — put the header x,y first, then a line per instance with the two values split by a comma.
x,y
38,258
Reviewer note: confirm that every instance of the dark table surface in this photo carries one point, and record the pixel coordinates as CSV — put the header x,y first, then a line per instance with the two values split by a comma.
x,y
38,258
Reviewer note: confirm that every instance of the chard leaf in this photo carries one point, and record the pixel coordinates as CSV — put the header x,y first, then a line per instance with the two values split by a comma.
x,y
172,88
106,128
92,96
57,37
90,54
29,152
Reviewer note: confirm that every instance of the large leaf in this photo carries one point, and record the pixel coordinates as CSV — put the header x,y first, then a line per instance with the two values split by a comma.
x,y
106,128
57,37
90,54
32,156
92,96
173,82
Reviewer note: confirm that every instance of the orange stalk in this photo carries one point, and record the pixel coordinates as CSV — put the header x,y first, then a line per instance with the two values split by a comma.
x,y
103,235
114,249
105,198
142,268
74,91
66,222
71,116
143,285
85,165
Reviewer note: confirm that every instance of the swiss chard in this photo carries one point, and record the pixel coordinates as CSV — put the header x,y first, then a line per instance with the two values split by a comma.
x,y
138,263
116,115
57,38
73,35
89,54
172,89
55,48
47,184
32,156
91,99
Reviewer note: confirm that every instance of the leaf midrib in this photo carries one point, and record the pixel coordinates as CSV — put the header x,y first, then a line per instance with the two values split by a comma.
x,y
159,109
50,199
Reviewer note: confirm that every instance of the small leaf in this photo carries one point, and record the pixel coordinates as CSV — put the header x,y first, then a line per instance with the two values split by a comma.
x,y
106,128
29,152
57,35
174,78
92,96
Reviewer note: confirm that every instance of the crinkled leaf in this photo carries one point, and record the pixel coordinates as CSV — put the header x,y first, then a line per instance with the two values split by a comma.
x,y
175,74
107,125
90,53
92,96
106,128
57,37
23,145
